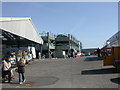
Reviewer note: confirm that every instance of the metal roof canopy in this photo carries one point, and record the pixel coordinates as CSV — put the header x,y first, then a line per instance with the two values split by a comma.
x,y
11,39
21,27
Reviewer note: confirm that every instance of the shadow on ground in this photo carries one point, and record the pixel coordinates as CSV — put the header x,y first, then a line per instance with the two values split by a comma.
x,y
99,71
115,80
93,59
41,81
36,81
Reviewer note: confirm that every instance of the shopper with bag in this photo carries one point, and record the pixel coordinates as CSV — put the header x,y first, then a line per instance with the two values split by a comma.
x,y
21,70
6,69
12,75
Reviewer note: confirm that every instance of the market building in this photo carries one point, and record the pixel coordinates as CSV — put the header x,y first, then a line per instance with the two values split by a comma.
x,y
19,34
66,46
49,45
59,46
114,40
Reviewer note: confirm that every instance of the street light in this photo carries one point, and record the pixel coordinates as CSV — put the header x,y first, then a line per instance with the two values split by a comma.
x,y
108,43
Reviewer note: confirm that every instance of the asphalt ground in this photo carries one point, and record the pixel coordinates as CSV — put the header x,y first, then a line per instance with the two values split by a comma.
x,y
82,72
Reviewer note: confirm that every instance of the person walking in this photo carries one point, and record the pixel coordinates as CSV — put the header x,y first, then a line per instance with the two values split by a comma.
x,y
6,69
21,71
98,52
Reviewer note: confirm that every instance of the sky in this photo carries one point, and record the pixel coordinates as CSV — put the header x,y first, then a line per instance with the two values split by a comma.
x,y
92,23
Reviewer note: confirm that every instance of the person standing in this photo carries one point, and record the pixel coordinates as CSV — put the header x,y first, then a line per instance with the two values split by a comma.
x,y
6,69
21,71
39,54
98,52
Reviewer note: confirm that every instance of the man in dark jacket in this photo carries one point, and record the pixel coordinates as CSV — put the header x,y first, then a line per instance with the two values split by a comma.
x,y
98,52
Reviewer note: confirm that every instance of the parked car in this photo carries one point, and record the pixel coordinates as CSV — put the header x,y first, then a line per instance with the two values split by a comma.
x,y
82,54
87,54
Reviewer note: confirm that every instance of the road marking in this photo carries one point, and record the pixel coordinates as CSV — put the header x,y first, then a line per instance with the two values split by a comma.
x,y
17,86
27,85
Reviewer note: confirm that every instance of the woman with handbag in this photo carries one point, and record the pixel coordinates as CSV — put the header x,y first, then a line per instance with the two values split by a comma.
x,y
6,69
21,70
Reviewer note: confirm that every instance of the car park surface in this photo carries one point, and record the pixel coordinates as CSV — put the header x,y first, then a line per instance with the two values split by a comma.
x,y
82,72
